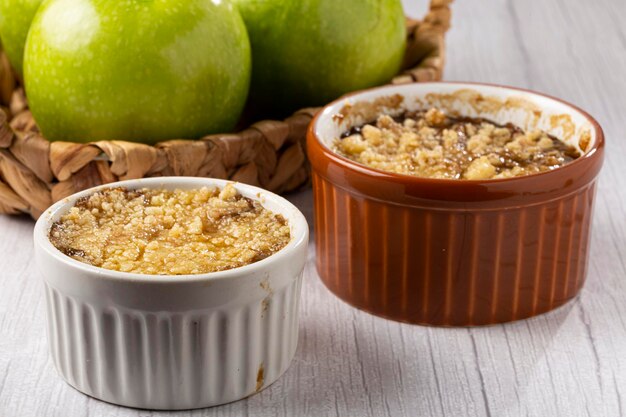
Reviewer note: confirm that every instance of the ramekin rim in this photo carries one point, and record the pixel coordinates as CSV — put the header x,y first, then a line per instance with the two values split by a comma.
x,y
44,223
412,179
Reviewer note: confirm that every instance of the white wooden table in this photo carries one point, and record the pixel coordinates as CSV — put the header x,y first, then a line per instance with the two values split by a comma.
x,y
571,362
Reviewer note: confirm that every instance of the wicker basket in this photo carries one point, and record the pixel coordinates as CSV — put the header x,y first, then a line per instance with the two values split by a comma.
x,y
34,173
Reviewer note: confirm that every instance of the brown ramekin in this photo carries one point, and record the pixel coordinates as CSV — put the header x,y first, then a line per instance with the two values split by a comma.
x,y
454,252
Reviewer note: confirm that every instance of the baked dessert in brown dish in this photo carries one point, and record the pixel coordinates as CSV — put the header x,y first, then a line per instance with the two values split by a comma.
x,y
453,204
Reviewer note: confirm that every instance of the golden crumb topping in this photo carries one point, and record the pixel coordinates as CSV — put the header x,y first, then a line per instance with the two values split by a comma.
x,y
161,232
432,144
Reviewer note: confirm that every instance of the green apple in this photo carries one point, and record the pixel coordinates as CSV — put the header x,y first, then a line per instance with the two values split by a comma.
x,y
15,19
138,70
309,52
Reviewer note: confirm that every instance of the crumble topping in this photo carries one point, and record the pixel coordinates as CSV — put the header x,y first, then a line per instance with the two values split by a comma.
x,y
163,232
431,144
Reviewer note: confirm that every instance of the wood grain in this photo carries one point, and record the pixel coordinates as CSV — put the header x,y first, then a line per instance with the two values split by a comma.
x,y
571,362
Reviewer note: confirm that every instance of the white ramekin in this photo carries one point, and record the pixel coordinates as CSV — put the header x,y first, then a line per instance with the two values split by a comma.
x,y
173,342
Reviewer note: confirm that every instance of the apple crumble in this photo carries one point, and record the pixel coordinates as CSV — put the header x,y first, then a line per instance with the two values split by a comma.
x,y
431,144
161,232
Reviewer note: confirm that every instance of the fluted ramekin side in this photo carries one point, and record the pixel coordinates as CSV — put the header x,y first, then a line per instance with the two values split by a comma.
x,y
451,268
181,360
